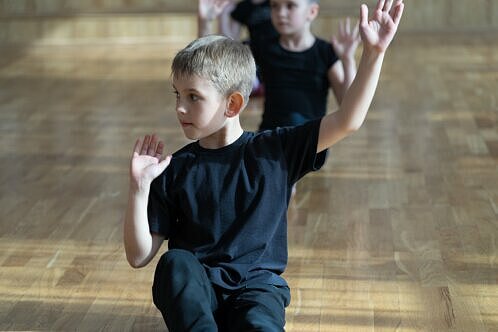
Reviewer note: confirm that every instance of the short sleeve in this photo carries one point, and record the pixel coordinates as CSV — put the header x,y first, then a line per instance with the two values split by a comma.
x,y
160,211
328,52
299,145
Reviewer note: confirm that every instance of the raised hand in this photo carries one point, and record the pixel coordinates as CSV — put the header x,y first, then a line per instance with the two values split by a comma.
x,y
347,40
378,32
211,9
147,162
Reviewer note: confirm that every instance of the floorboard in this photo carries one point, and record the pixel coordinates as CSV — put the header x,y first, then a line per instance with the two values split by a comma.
x,y
399,230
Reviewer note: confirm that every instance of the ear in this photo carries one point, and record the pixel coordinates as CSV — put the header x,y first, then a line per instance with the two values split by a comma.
x,y
235,104
313,11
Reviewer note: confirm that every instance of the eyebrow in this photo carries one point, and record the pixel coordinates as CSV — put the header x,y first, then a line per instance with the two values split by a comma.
x,y
189,89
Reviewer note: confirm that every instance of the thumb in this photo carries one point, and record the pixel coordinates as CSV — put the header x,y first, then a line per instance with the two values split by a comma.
x,y
164,163
333,41
159,168
364,15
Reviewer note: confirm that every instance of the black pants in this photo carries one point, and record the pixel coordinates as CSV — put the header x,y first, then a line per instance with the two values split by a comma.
x,y
188,300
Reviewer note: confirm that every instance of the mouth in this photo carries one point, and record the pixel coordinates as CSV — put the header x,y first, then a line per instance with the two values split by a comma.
x,y
185,124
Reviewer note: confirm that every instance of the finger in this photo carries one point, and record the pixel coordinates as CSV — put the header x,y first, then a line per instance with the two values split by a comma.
x,y
398,12
151,150
356,30
164,163
348,26
159,149
380,5
356,33
225,4
334,42
388,5
145,144
136,148
341,28
364,15
220,5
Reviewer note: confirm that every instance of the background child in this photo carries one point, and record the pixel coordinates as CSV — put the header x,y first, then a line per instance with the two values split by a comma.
x,y
255,15
220,201
298,68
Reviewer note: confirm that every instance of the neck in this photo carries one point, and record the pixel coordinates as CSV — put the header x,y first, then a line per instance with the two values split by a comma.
x,y
298,41
228,134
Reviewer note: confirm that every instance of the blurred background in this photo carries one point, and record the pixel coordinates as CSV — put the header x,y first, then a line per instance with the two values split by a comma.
x,y
398,231
131,21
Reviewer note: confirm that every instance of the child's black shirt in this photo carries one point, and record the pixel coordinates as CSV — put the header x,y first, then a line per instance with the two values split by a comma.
x,y
228,206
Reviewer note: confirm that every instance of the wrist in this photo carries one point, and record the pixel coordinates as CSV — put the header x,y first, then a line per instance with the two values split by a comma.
x,y
139,189
205,19
372,55
347,55
348,61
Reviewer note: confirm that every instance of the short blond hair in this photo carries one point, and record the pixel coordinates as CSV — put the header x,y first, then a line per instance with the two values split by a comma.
x,y
227,63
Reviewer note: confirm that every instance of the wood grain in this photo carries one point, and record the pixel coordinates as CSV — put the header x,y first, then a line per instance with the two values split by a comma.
x,y
399,231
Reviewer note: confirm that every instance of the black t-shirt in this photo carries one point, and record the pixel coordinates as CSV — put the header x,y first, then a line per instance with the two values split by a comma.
x,y
228,206
296,83
257,19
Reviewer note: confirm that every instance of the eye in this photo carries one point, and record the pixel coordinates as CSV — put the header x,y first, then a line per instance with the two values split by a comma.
x,y
177,95
193,97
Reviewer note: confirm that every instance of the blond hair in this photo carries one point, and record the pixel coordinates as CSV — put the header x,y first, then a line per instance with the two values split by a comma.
x,y
228,64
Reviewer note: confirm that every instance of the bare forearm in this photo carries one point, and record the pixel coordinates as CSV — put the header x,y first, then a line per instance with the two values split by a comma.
x,y
358,97
204,26
229,27
137,237
376,34
355,104
349,66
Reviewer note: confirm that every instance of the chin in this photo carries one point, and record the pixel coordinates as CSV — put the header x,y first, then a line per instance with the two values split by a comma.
x,y
281,30
190,135
284,29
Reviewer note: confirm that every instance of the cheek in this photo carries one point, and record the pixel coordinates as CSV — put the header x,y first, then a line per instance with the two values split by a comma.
x,y
297,16
206,115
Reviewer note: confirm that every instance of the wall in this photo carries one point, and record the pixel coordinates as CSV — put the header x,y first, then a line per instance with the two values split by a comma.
x,y
130,21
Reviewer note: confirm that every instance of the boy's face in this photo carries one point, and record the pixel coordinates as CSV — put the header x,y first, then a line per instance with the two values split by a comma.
x,y
200,108
292,16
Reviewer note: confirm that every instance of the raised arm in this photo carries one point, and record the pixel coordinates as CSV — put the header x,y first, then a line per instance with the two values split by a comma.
x,y
146,164
207,12
342,73
376,34
228,26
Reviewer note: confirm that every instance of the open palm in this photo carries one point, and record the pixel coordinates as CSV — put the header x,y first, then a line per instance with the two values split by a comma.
x,y
347,39
378,32
147,161
211,9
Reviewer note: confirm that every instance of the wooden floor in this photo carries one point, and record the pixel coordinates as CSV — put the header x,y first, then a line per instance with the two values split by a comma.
x,y
398,232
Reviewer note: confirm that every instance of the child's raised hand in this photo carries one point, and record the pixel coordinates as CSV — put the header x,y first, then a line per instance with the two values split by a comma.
x,y
378,32
147,162
210,9
347,40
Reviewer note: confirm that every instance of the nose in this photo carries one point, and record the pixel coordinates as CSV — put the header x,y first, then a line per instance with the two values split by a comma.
x,y
180,109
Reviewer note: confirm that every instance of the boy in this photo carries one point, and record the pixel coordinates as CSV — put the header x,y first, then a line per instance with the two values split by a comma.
x,y
296,67
221,201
